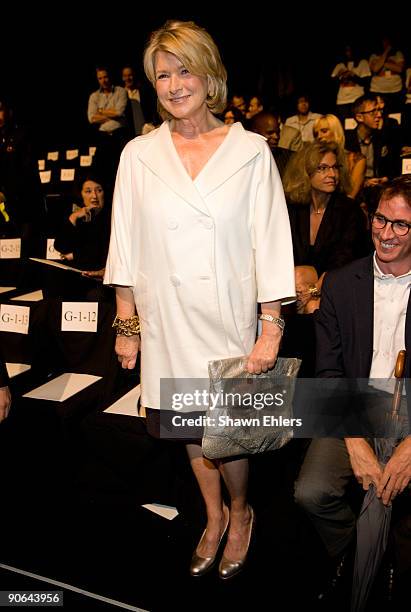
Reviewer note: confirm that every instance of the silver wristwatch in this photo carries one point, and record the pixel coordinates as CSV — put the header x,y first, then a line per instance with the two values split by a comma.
x,y
279,321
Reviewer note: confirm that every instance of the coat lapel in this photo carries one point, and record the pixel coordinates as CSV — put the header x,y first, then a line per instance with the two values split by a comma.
x,y
364,309
236,150
161,157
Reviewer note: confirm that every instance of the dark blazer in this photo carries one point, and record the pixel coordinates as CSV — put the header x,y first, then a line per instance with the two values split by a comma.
x,y
345,322
88,241
340,238
4,379
387,149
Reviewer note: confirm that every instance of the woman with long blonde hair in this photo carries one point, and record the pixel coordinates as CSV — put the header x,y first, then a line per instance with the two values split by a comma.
x,y
328,128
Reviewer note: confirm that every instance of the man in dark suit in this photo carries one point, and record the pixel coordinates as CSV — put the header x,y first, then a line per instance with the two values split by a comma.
x,y
363,322
380,147
5,397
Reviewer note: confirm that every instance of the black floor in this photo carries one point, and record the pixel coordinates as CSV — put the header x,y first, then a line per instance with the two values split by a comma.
x,y
71,511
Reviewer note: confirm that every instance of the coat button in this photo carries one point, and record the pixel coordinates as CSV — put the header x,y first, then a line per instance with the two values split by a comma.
x,y
206,222
175,280
172,223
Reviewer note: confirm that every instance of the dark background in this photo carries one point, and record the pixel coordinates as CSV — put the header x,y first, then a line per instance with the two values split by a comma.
x,y
49,54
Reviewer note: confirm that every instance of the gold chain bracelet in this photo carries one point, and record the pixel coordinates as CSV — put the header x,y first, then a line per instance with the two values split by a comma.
x,y
127,327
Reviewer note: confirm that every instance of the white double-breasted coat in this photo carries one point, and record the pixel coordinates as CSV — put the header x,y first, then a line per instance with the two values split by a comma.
x,y
198,254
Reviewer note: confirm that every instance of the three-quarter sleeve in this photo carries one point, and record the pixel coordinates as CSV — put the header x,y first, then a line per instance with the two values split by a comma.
x,y
119,270
272,236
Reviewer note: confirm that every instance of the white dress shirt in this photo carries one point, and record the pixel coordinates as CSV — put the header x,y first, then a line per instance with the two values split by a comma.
x,y
391,295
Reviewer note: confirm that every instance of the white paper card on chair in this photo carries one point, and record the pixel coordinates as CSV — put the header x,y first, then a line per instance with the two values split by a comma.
x,y
406,166
53,155
33,296
64,386
14,369
51,252
168,512
45,176
92,150
350,123
10,248
79,316
72,153
67,174
14,318
127,404
42,164
7,289
86,160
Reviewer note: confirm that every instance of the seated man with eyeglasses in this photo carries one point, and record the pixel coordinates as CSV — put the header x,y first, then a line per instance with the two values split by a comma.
x,y
369,139
364,320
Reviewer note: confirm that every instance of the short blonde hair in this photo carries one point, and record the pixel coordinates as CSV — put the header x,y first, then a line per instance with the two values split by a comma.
x,y
335,127
197,51
303,164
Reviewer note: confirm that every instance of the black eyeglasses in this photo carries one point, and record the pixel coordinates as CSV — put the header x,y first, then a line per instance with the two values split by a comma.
x,y
373,111
400,228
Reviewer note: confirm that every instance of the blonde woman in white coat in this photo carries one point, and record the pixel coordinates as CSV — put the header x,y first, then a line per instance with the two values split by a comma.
x,y
200,233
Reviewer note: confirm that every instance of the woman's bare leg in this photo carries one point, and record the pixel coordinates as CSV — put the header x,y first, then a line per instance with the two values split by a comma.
x,y
235,474
209,480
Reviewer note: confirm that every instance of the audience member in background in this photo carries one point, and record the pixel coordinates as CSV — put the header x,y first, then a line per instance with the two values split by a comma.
x,y
195,197
381,152
327,229
254,106
232,114
268,125
238,101
107,113
83,239
328,128
352,75
326,226
22,208
290,138
304,120
387,67
5,396
132,88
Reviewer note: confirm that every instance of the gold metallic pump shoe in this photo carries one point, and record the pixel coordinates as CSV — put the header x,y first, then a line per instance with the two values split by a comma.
x,y
201,565
227,568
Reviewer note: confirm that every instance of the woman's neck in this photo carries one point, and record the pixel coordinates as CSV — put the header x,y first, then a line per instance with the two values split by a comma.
x,y
191,128
319,200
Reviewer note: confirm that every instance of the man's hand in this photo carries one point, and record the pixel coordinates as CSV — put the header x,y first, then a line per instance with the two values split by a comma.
x,y
127,348
97,274
5,402
374,182
364,462
396,474
306,303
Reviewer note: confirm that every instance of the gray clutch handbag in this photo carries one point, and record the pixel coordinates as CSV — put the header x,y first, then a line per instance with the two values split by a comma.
x,y
248,413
